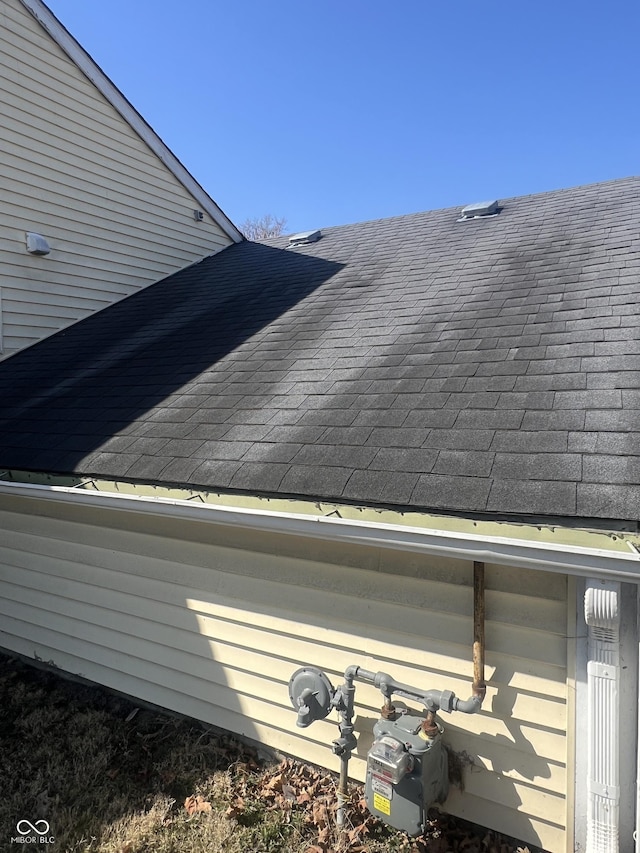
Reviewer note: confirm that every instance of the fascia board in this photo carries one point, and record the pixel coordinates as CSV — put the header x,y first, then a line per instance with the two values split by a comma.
x,y
550,557
94,73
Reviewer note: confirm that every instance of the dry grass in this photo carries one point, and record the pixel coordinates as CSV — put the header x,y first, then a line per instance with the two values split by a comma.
x,y
110,779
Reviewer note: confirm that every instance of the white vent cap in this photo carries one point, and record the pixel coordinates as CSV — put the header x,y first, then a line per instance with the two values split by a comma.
x,y
305,237
37,244
480,208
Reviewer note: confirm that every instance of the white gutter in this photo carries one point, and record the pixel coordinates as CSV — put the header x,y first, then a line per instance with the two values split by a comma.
x,y
565,559
96,75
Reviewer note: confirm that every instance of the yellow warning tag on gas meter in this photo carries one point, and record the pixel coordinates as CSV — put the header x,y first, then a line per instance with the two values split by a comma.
x,y
382,804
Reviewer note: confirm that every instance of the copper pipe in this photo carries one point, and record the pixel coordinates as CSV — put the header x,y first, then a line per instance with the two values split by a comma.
x,y
479,687
429,725
388,710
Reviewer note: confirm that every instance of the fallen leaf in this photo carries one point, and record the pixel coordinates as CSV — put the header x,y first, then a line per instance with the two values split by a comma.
x,y
232,812
282,803
275,782
193,805
356,832
324,835
320,814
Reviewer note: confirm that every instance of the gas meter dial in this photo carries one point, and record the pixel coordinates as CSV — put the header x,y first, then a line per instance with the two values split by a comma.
x,y
389,760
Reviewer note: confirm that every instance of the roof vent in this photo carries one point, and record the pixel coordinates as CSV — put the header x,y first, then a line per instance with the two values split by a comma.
x,y
480,208
304,237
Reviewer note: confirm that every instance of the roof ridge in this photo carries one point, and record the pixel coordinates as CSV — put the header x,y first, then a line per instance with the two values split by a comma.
x,y
458,207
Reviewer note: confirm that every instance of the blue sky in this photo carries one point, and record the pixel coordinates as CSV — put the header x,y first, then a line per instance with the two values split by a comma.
x,y
334,112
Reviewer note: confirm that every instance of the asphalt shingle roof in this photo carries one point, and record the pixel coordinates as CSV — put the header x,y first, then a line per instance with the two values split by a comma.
x,y
485,366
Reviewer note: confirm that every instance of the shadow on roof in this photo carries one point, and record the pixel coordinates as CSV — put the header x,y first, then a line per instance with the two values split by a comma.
x,y
65,397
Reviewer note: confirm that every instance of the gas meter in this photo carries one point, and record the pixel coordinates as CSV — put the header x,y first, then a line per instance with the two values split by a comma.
x,y
407,767
407,771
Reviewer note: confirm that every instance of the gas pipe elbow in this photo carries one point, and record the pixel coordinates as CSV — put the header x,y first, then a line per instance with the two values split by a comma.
x,y
474,703
351,672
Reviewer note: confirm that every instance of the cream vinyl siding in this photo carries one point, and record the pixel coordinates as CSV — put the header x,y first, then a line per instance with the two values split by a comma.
x,y
71,168
211,622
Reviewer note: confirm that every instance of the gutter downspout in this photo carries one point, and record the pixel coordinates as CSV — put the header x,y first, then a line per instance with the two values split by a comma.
x,y
602,615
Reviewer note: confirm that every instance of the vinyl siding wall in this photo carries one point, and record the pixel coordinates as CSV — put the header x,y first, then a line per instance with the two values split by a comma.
x,y
72,169
212,622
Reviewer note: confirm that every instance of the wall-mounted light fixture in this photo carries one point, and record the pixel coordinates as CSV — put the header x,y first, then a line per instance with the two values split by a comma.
x,y
198,215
